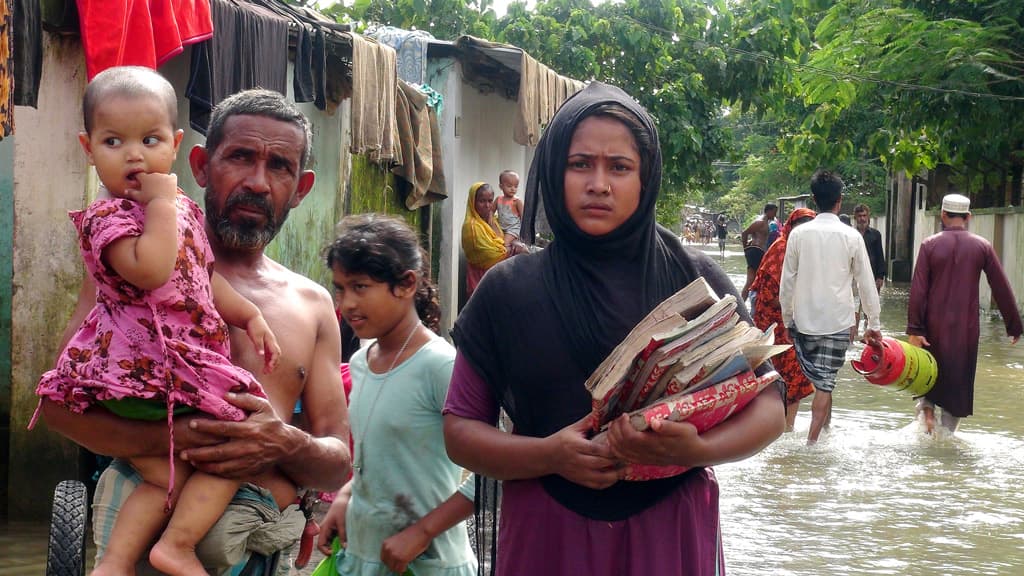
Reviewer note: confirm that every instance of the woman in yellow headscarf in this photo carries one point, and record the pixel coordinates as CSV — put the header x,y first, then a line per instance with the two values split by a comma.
x,y
482,239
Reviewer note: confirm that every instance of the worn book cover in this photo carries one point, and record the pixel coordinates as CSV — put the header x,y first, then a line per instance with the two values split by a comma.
x,y
609,382
647,369
705,409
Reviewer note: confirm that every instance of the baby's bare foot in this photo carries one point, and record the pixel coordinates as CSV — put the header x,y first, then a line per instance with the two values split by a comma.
x,y
175,560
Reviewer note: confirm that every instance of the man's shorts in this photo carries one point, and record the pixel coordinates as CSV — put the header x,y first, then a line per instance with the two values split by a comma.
x,y
753,255
821,357
251,522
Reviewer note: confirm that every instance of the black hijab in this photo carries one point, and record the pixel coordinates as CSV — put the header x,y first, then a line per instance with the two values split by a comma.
x,y
584,271
539,324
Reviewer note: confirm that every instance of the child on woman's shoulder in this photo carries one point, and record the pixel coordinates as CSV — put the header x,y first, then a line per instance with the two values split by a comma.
x,y
156,343
406,502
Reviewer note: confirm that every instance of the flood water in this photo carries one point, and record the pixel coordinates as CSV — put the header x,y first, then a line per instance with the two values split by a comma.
x,y
874,497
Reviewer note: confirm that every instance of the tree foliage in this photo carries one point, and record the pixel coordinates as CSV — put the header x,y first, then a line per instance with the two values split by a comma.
x,y
777,88
444,19
659,51
915,83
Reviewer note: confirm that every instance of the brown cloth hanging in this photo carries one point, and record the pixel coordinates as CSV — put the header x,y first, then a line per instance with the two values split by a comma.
x,y
374,85
418,153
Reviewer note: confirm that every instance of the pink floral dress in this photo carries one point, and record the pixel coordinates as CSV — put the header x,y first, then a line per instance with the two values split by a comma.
x,y
166,345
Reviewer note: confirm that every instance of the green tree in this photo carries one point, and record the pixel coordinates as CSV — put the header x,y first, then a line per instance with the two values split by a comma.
x,y
444,19
916,84
663,53
683,60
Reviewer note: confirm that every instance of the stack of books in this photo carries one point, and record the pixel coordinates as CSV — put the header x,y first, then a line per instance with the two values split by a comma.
x,y
691,358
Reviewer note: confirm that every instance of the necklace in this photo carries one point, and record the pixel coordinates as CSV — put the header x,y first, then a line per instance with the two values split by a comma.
x,y
358,459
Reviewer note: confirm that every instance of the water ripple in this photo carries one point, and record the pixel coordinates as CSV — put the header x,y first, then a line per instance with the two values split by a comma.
x,y
878,496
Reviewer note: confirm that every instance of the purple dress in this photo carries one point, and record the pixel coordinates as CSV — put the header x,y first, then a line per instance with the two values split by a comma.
x,y
678,536
167,345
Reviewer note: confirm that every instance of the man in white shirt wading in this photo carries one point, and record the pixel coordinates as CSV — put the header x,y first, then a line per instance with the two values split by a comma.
x,y
823,257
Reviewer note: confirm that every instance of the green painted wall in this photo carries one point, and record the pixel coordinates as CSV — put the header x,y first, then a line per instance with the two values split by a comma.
x,y
6,271
310,226
373,189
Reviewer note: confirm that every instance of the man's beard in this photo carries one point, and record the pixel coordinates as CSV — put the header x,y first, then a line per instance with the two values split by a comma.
x,y
245,235
862,229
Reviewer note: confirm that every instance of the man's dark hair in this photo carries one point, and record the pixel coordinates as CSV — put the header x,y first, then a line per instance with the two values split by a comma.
x,y
128,82
827,189
861,208
769,207
257,102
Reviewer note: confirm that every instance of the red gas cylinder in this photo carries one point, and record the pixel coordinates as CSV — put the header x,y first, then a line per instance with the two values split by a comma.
x,y
881,363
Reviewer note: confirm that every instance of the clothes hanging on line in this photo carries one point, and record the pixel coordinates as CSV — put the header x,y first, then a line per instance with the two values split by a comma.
x,y
140,32
248,50
28,52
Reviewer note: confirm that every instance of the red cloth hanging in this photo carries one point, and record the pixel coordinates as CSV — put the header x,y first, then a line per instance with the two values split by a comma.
x,y
140,32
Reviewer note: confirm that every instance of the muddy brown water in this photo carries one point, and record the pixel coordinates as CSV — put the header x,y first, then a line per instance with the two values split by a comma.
x,y
875,497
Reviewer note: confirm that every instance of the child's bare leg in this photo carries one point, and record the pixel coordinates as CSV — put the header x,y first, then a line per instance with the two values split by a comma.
x,y
202,502
140,519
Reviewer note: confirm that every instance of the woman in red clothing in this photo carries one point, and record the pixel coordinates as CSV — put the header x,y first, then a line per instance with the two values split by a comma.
x,y
768,312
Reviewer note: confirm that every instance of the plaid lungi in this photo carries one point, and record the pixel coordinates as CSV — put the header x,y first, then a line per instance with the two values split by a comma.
x,y
821,357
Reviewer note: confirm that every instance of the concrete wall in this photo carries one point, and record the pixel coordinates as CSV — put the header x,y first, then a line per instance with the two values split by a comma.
x,y
477,132
49,180
445,78
6,269
1003,227
51,177
902,210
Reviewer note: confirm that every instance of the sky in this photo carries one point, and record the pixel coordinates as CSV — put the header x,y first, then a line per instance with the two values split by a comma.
x,y
500,6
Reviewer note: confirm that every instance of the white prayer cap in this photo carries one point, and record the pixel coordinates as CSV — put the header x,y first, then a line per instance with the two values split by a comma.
x,y
956,204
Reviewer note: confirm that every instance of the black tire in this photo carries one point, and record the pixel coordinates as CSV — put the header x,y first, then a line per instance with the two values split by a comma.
x,y
66,554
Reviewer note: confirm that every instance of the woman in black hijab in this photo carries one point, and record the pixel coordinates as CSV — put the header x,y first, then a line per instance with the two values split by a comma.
x,y
538,325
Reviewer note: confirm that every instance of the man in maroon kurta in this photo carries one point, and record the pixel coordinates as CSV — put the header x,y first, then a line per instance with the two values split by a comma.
x,y
943,312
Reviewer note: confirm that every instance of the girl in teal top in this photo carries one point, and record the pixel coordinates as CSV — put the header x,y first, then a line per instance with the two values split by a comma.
x,y
405,506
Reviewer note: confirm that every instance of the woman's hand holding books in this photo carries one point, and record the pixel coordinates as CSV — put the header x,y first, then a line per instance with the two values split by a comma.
x,y
577,458
666,443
